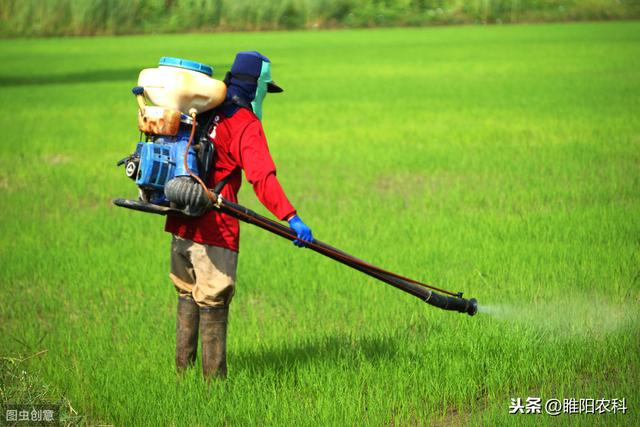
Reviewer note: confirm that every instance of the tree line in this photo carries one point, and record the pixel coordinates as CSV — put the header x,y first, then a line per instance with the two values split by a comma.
x,y
111,17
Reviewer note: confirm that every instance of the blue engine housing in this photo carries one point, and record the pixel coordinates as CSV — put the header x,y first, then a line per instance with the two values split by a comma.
x,y
162,160
156,165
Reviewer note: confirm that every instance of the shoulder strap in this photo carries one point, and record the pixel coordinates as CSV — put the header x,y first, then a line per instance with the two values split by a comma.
x,y
209,120
240,102
204,123
220,185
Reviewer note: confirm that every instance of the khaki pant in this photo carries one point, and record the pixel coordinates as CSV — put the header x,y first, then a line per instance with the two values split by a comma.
x,y
207,273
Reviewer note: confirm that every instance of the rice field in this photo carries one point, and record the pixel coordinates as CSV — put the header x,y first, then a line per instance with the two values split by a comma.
x,y
501,161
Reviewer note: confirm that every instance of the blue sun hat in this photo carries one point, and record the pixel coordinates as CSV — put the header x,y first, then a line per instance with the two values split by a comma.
x,y
250,79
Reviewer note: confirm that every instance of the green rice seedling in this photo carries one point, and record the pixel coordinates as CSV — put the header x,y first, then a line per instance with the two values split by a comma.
x,y
500,161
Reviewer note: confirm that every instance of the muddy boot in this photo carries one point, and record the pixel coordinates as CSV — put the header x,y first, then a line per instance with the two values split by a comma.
x,y
187,318
213,330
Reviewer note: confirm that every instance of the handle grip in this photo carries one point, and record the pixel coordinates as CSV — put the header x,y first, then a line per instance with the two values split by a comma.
x,y
138,91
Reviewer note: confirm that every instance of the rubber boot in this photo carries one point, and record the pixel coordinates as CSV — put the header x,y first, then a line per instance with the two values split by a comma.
x,y
187,320
213,332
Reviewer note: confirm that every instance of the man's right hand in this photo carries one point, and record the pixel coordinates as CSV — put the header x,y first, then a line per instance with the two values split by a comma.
x,y
302,231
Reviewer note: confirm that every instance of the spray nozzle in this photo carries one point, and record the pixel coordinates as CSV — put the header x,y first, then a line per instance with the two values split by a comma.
x,y
473,307
455,303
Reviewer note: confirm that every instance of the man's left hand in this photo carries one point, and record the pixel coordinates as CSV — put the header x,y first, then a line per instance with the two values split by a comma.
x,y
302,231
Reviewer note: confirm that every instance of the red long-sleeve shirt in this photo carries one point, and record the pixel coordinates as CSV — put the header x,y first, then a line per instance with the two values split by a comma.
x,y
240,145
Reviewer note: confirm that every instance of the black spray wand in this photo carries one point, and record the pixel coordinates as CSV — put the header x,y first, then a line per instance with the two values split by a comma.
x,y
427,293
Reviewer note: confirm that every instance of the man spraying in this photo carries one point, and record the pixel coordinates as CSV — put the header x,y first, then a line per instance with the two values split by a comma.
x,y
204,250
176,177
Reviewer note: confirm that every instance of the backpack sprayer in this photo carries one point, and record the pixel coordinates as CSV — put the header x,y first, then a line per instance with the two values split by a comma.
x,y
168,167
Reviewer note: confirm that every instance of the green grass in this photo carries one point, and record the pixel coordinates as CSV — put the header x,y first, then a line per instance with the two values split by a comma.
x,y
498,161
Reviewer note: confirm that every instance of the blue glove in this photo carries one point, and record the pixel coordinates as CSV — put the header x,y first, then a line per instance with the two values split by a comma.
x,y
302,231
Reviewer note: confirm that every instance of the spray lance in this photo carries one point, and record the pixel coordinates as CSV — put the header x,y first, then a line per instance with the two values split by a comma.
x,y
423,291
432,295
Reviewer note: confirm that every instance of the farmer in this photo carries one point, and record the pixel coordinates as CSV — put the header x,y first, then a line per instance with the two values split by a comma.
x,y
204,250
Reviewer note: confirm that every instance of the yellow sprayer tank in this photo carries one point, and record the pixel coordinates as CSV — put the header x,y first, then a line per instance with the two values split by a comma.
x,y
181,84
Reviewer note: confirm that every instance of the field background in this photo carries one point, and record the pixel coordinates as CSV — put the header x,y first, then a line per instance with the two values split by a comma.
x,y
500,161
92,17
